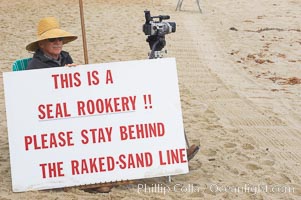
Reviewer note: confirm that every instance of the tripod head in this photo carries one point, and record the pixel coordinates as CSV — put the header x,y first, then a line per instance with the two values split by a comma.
x,y
156,44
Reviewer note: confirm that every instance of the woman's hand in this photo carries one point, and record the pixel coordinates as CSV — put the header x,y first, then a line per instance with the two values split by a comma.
x,y
71,65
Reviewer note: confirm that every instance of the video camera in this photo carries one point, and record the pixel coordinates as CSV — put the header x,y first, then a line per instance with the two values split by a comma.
x,y
157,27
156,31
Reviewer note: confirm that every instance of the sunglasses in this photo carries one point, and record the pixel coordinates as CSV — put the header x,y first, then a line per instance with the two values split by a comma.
x,y
54,39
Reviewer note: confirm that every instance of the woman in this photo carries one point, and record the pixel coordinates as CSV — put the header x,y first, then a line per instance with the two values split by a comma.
x,y
48,47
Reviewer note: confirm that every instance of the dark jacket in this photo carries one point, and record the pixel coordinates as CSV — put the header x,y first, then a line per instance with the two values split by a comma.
x,y
40,61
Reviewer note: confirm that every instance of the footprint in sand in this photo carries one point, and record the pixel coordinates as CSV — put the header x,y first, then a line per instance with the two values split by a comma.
x,y
234,171
283,179
253,166
279,179
209,152
230,145
268,162
195,165
248,147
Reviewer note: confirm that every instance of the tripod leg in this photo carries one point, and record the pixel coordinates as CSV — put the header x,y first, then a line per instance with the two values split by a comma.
x,y
178,5
198,2
186,139
181,4
191,150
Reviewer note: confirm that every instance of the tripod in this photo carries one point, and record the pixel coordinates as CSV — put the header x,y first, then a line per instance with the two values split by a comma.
x,y
156,44
179,5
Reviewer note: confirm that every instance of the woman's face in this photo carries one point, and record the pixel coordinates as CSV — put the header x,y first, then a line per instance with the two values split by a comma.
x,y
52,47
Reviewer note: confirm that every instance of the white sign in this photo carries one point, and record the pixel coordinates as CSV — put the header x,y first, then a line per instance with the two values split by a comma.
x,y
94,123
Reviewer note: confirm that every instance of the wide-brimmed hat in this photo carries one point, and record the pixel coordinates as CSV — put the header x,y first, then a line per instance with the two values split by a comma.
x,y
48,28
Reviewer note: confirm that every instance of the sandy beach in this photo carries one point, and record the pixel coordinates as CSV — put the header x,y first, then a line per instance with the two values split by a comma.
x,y
239,71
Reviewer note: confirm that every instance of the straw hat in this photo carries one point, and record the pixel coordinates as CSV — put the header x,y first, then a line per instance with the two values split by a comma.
x,y
49,27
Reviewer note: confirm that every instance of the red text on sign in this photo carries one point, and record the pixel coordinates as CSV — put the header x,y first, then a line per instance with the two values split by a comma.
x,y
67,80
148,101
137,160
48,140
53,111
138,131
92,165
108,105
96,135
109,78
52,170
172,156
93,78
